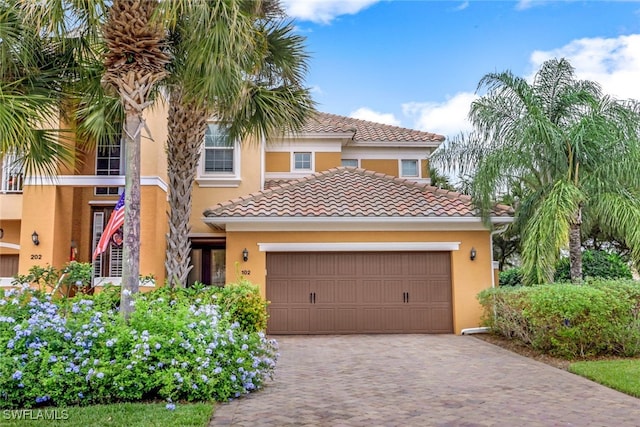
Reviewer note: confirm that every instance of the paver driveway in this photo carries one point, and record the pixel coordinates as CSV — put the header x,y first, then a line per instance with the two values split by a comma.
x,y
421,380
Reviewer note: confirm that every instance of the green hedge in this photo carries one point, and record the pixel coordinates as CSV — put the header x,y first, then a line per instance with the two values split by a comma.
x,y
601,317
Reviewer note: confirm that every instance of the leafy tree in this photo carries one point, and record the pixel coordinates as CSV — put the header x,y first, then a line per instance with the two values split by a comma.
x,y
572,150
596,263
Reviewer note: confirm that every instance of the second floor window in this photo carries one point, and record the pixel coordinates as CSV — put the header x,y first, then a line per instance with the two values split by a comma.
x,y
409,168
218,150
302,161
352,163
109,162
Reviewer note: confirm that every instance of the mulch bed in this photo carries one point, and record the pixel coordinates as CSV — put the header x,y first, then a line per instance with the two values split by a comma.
x,y
520,348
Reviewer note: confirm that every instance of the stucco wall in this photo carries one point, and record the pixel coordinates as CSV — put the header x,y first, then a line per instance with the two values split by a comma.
x,y
468,277
326,161
277,162
390,166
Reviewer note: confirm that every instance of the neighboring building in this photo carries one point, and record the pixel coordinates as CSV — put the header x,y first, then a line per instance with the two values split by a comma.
x,y
337,225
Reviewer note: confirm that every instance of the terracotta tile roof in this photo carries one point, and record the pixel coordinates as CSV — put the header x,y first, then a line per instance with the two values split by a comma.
x,y
366,130
350,192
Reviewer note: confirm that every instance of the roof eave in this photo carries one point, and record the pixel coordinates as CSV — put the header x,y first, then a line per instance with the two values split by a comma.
x,y
356,223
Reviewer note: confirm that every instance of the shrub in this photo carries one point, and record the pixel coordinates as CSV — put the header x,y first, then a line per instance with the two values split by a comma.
x,y
511,277
177,345
598,318
595,263
243,302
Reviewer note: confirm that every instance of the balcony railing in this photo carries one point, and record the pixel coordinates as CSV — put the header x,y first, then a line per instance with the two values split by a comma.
x,y
12,177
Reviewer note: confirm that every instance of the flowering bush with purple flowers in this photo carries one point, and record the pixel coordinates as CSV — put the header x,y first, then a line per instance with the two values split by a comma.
x,y
177,345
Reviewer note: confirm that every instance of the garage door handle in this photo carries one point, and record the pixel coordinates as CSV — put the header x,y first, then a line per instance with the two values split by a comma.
x,y
407,296
404,297
310,297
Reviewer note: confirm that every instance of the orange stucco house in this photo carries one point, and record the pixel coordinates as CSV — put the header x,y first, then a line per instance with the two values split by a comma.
x,y
337,225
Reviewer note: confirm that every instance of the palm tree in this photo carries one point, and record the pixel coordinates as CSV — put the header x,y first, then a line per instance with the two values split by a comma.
x,y
128,37
239,62
573,151
30,95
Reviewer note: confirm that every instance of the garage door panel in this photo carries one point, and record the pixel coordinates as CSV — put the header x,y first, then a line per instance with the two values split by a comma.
x,y
346,291
439,291
393,319
298,291
439,320
393,264
418,290
373,291
278,291
370,264
370,320
346,320
394,290
325,291
299,320
278,320
359,292
324,320
325,265
346,265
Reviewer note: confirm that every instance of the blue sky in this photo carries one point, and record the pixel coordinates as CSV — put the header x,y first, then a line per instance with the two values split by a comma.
x,y
417,63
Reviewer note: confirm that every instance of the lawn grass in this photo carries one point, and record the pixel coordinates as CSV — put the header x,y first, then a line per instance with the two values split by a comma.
x,y
622,375
115,415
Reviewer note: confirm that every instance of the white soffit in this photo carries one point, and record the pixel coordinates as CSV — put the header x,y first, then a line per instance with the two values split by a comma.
x,y
359,247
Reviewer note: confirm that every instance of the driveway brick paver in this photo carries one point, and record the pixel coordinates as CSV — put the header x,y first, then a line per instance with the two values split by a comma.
x,y
421,380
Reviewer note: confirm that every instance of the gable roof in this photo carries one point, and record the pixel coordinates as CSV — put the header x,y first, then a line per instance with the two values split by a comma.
x,y
366,131
351,193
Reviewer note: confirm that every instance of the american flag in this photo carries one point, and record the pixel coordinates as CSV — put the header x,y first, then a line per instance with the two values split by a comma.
x,y
115,221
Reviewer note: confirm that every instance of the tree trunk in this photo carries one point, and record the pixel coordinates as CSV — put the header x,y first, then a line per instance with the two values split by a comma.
x,y
131,230
134,61
187,125
575,249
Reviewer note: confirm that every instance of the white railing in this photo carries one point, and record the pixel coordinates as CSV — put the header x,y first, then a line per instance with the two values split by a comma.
x,y
12,177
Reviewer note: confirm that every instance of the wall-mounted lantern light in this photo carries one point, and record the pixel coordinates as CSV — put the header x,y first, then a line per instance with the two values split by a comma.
x,y
245,255
472,254
1,233
35,238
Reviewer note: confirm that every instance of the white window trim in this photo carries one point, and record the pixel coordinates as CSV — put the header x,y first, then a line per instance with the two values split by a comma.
x,y
351,158
419,169
220,179
121,168
312,163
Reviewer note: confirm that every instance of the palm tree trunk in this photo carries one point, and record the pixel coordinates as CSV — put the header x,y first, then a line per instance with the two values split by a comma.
x,y
135,62
575,248
131,230
187,125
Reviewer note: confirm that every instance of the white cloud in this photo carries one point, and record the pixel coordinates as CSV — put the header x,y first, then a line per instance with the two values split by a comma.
x,y
324,11
373,116
528,4
462,6
614,63
447,118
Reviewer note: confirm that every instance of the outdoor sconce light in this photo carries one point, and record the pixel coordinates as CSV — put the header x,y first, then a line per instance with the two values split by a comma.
x,y
35,238
472,254
1,233
245,255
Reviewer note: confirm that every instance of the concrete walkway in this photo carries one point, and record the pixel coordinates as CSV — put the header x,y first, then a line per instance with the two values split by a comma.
x,y
421,380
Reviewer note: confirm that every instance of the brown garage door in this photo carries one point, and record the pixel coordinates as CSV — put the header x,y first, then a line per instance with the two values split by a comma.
x,y
367,292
